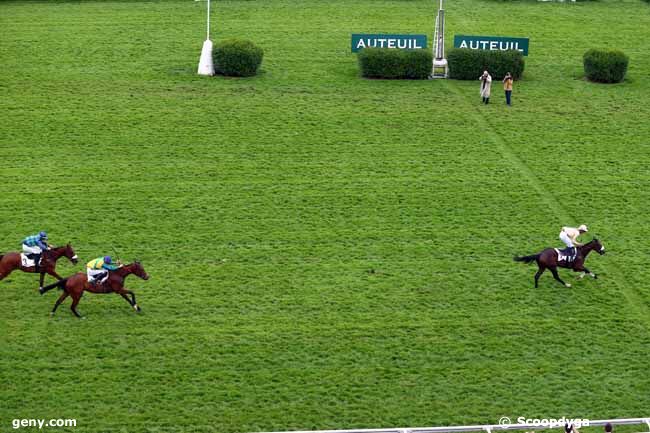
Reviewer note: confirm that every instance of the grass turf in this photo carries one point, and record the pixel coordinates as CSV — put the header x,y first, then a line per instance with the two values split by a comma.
x,y
325,251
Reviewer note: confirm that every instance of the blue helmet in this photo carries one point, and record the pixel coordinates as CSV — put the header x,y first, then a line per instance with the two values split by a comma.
x,y
108,260
42,235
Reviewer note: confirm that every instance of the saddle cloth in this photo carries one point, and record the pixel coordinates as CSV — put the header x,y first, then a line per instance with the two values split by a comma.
x,y
99,277
26,262
567,255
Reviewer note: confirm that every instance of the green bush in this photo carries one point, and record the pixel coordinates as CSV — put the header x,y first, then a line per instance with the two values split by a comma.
x,y
238,58
605,66
467,64
393,63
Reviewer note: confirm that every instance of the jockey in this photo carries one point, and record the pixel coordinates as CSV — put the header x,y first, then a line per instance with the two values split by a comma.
x,y
33,246
97,269
569,235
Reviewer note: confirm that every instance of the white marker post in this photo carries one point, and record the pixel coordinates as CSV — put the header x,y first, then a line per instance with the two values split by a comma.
x,y
206,67
440,67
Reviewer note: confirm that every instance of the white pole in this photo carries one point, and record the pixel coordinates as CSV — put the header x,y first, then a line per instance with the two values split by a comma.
x,y
206,66
208,37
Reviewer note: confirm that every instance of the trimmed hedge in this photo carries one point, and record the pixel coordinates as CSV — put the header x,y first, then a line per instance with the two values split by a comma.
x,y
394,63
605,66
466,64
237,58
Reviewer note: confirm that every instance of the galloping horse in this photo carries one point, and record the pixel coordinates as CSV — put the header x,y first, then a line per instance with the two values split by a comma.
x,y
549,259
76,284
11,261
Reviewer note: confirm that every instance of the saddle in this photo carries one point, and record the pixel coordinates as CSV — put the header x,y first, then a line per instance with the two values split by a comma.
x,y
98,281
28,260
567,255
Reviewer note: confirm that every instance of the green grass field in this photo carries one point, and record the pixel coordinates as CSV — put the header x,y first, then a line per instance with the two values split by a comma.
x,y
325,251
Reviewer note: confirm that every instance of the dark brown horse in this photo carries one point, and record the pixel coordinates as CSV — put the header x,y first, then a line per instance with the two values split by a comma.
x,y
549,259
11,261
76,284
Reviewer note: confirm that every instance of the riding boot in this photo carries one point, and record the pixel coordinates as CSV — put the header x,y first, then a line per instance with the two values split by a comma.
x,y
37,261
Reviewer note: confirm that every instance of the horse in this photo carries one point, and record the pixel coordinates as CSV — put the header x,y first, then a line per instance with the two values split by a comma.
x,y
11,261
549,259
76,284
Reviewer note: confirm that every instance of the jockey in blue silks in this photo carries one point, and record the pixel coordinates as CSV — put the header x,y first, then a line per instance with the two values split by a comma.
x,y
33,246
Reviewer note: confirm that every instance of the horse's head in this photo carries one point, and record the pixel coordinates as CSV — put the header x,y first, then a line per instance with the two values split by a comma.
x,y
138,269
598,246
70,254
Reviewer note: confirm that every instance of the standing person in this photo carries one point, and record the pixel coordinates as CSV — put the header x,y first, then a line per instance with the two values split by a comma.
x,y
507,86
486,85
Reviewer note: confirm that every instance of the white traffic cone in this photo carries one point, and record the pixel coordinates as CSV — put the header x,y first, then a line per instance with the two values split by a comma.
x,y
206,67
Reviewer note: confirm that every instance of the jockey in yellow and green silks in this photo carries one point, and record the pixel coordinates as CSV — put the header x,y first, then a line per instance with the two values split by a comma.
x,y
97,270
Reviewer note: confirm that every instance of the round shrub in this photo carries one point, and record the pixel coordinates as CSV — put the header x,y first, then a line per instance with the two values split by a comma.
x,y
605,66
467,64
395,64
237,58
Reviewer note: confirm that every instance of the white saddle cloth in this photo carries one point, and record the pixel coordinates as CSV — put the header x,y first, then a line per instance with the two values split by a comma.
x,y
25,262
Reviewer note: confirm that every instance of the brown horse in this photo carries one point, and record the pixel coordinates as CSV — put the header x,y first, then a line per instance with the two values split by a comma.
x,y
549,258
76,284
11,261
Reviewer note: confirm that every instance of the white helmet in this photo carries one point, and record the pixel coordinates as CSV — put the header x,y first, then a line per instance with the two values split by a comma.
x,y
583,228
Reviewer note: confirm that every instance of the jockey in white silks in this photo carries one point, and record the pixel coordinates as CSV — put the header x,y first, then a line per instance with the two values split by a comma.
x,y
569,235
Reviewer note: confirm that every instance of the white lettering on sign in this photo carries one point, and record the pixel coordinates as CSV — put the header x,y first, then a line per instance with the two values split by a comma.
x,y
388,41
488,45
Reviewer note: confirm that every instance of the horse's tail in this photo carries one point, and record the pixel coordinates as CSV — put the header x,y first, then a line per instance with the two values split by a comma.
x,y
526,259
60,284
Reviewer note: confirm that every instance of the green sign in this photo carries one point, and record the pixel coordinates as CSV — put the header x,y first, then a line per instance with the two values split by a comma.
x,y
402,42
491,43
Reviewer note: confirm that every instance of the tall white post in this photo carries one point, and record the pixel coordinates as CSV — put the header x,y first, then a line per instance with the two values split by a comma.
x,y
206,66
439,67
208,31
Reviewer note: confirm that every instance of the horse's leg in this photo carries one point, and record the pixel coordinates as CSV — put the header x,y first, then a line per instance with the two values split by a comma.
x,y
135,304
581,269
588,272
123,293
58,302
75,302
52,272
557,277
539,273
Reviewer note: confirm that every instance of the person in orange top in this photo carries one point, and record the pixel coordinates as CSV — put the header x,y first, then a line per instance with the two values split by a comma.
x,y
507,86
